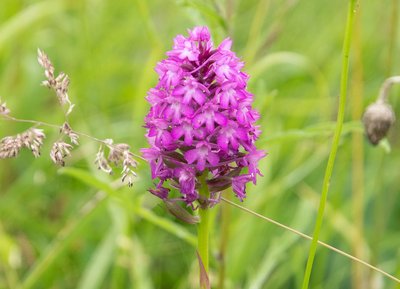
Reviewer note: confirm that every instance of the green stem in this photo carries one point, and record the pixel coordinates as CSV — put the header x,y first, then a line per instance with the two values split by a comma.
x,y
203,237
392,36
224,233
204,226
335,144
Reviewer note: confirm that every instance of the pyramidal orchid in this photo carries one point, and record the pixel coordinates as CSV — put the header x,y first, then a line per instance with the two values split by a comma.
x,y
201,124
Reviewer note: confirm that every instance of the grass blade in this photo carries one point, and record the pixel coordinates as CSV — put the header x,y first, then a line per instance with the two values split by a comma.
x,y
96,270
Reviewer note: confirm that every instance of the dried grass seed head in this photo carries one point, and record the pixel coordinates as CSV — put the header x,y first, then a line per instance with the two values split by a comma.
x,y
10,147
67,130
3,108
59,152
61,88
101,161
59,84
117,151
32,139
45,62
119,154
128,166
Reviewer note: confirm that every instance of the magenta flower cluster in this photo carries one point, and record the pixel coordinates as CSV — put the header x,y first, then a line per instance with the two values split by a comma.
x,y
201,121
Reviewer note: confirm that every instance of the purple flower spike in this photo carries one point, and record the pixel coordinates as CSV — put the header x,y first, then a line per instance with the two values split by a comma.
x,y
201,121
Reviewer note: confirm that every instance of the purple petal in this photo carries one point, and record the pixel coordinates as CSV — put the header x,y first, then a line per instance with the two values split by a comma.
x,y
221,119
199,97
160,192
150,154
201,164
198,120
241,134
225,45
210,124
223,142
213,158
188,140
186,181
239,185
177,132
191,156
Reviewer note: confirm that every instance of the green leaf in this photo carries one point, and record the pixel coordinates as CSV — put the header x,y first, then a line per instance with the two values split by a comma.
x,y
60,244
95,272
146,214
179,212
87,178
26,18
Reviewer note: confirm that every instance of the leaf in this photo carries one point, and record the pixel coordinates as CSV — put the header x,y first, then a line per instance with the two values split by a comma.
x,y
65,236
146,214
26,18
88,179
175,229
295,60
208,11
179,212
314,131
95,272
204,280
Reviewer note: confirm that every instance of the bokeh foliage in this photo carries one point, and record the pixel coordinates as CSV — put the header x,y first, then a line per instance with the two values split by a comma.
x,y
57,230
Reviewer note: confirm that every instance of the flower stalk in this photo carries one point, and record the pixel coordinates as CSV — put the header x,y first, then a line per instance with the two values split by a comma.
x,y
203,230
201,129
385,88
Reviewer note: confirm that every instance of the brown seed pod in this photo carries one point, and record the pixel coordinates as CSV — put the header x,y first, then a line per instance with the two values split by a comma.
x,y
377,119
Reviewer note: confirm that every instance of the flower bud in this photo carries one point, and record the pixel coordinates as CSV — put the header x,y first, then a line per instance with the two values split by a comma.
x,y
378,118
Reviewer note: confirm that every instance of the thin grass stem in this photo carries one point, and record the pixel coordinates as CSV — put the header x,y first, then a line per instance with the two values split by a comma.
x,y
394,18
310,238
336,138
42,123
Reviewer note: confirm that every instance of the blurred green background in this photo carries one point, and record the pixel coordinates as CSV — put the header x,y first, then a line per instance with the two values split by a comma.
x,y
71,228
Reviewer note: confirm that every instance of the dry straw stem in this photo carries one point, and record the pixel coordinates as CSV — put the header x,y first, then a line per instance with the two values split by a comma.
x,y
385,88
309,238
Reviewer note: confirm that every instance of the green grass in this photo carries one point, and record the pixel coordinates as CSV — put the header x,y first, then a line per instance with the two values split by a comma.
x,y
57,230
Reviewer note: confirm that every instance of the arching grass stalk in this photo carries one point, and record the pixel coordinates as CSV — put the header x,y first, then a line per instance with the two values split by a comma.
x,y
309,238
335,144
